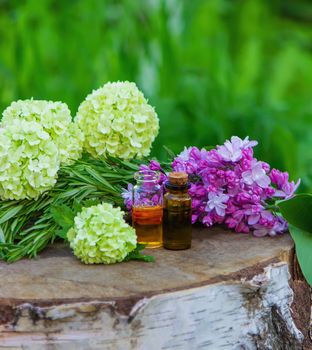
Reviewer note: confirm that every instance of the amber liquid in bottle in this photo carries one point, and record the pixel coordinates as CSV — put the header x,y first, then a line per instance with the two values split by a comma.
x,y
147,222
177,220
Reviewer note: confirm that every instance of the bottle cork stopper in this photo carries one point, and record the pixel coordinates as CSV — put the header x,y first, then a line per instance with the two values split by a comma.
x,y
178,178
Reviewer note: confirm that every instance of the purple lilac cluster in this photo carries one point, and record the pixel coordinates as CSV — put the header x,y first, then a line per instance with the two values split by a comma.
x,y
229,186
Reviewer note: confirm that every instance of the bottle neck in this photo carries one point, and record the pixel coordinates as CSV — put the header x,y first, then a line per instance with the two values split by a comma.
x,y
143,183
177,189
146,177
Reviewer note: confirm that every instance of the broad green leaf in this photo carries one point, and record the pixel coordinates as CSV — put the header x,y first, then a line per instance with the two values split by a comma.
x,y
298,211
140,247
62,234
63,216
77,207
92,201
303,241
137,255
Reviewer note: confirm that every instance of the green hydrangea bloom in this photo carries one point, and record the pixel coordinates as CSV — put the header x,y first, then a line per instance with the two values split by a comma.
x,y
55,119
70,145
101,236
117,120
29,160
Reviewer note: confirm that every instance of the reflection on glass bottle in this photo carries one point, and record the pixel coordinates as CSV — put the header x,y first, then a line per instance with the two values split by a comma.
x,y
177,221
147,210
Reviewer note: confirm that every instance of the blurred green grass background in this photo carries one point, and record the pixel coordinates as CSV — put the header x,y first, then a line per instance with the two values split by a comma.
x,y
212,68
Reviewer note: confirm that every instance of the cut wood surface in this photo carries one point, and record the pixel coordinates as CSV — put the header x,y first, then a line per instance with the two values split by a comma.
x,y
230,291
57,274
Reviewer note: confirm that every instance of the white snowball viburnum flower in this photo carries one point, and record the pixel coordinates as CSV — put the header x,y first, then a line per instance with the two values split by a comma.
x,y
101,236
55,119
29,160
70,145
117,120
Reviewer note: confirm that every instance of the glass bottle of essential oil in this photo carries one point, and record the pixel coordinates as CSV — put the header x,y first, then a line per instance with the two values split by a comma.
x,y
147,210
177,220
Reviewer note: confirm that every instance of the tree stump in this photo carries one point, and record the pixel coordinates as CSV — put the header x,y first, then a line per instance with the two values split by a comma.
x,y
230,291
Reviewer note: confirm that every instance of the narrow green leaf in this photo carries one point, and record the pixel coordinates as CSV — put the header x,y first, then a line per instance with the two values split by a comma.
x,y
99,178
10,213
69,193
130,165
170,153
2,237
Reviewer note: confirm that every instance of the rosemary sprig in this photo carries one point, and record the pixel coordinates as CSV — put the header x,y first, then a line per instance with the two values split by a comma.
x,y
27,226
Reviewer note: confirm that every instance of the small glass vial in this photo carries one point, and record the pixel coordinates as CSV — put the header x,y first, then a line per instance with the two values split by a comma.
x,y
147,209
177,221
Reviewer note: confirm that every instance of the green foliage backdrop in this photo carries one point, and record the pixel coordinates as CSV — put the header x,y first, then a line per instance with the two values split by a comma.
x,y
212,68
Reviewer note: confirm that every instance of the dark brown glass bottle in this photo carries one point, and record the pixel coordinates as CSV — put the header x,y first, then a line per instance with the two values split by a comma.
x,y
177,218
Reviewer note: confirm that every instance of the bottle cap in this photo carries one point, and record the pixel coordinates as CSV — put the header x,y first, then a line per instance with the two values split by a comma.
x,y
178,178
